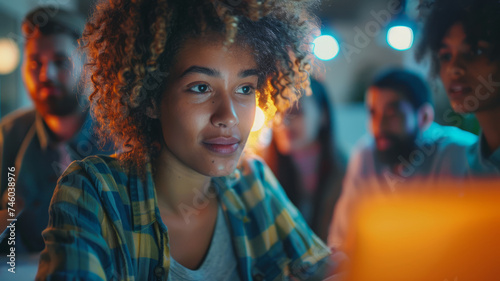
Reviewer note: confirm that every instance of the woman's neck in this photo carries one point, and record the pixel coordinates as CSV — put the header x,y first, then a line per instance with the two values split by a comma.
x,y
179,187
490,126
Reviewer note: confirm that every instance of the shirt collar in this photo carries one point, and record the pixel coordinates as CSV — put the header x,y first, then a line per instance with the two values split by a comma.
x,y
228,195
144,200
41,131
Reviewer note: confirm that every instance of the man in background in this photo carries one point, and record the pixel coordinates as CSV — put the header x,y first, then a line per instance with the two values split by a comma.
x,y
404,145
36,145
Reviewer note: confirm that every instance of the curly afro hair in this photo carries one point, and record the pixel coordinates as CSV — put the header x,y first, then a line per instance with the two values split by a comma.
x,y
480,19
131,45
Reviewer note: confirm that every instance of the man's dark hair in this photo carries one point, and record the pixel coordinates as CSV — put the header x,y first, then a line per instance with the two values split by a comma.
x,y
49,20
408,84
480,19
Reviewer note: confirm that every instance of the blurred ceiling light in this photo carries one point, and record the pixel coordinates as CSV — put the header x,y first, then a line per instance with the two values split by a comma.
x,y
400,37
325,47
9,55
260,119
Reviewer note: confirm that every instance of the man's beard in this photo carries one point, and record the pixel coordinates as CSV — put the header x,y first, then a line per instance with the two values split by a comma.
x,y
400,147
62,105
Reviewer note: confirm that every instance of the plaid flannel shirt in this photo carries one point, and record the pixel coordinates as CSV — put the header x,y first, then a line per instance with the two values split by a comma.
x,y
105,225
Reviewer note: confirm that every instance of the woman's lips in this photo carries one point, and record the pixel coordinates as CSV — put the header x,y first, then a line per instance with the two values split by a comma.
x,y
457,90
222,145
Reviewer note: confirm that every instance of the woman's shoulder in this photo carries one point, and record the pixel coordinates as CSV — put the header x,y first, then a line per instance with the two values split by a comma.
x,y
99,171
98,163
102,162
98,184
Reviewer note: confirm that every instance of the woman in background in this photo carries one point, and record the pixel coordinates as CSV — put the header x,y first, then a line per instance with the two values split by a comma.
x,y
306,160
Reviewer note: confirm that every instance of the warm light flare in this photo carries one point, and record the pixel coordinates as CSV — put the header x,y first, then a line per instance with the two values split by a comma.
x,y
440,232
260,119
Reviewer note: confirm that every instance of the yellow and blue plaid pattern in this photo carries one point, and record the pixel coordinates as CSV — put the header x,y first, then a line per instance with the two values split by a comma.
x,y
105,225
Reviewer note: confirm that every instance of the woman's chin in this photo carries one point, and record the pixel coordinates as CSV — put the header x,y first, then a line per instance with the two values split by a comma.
x,y
221,168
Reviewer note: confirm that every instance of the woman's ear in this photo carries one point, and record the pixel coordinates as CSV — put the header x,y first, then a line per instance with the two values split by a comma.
x,y
425,116
152,111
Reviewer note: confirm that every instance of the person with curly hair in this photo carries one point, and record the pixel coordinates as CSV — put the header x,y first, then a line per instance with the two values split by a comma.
x,y
175,87
463,40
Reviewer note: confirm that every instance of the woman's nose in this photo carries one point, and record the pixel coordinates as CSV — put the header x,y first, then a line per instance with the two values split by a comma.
x,y
224,115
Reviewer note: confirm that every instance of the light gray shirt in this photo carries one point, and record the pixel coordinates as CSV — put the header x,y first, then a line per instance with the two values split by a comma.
x,y
220,262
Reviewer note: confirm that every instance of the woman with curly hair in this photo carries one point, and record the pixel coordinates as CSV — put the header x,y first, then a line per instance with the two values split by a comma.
x,y
463,39
175,88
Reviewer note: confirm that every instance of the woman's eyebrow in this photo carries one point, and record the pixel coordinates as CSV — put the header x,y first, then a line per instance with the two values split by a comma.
x,y
202,70
248,72
215,73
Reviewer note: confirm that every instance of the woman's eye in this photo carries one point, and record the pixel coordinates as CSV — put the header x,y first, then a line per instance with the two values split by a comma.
x,y
200,88
444,57
246,90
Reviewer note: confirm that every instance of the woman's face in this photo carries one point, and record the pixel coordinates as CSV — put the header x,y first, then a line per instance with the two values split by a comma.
x,y
300,126
208,108
470,78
